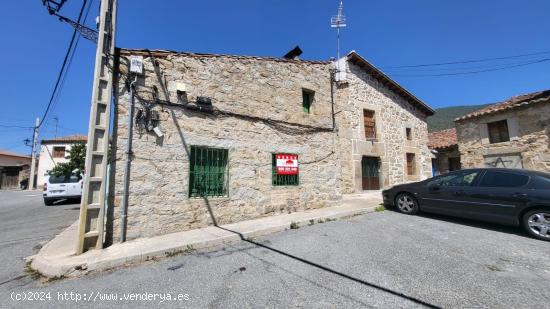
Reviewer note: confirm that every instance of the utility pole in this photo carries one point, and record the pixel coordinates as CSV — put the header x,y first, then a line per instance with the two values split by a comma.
x,y
33,154
92,207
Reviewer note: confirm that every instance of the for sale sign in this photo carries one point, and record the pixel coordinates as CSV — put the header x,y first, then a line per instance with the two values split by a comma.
x,y
287,164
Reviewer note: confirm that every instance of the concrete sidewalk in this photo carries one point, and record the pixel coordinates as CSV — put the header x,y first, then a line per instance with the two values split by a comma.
x,y
57,259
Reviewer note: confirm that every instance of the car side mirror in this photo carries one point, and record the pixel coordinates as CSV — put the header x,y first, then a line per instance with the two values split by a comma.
x,y
434,187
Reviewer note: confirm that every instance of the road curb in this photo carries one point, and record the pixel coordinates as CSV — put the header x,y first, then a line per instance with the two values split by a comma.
x,y
57,259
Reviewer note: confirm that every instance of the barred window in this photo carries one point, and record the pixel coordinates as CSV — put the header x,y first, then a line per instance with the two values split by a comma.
x,y
282,180
208,172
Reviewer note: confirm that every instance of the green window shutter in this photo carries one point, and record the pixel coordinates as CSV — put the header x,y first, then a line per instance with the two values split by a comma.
x,y
282,180
207,173
306,101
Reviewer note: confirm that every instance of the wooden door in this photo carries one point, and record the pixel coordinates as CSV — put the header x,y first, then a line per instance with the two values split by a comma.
x,y
370,167
9,178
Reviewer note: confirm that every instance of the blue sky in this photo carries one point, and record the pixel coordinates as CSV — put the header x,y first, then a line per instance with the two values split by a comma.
x,y
387,33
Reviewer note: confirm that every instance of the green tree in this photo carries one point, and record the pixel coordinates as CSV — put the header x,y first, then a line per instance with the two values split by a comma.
x,y
77,157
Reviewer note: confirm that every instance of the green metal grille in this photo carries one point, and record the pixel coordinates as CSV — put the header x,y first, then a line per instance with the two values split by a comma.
x,y
282,180
306,100
208,172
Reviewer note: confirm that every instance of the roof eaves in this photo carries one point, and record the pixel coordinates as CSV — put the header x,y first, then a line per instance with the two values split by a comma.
x,y
393,85
164,53
489,110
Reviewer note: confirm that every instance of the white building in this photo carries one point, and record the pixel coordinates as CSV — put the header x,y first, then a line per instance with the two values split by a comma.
x,y
54,151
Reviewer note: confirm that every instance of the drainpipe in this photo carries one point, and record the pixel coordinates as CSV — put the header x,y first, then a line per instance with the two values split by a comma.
x,y
332,81
127,159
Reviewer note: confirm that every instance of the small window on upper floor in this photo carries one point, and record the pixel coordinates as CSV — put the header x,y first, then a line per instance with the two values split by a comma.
x,y
58,152
369,123
307,100
498,131
408,133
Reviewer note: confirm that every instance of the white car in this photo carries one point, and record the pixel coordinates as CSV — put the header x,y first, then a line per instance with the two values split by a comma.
x,y
62,188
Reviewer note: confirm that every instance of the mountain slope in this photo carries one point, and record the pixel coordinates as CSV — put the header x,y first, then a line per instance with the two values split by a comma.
x,y
443,118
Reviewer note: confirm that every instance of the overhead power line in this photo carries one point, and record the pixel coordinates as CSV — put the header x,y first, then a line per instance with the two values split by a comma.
x,y
474,72
62,70
466,61
71,57
14,126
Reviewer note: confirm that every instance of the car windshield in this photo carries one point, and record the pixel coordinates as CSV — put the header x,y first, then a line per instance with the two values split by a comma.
x,y
63,179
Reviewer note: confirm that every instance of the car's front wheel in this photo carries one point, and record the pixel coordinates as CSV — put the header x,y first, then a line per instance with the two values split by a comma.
x,y
537,223
406,203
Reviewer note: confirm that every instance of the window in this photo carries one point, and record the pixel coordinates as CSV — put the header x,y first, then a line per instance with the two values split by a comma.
x,y
208,172
64,179
410,164
408,133
460,179
370,124
498,131
307,100
59,152
503,179
282,180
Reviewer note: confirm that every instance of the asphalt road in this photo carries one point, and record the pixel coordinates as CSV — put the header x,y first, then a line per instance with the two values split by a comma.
x,y
378,260
25,223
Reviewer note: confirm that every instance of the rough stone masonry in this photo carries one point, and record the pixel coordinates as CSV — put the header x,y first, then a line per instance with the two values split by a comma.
x,y
259,113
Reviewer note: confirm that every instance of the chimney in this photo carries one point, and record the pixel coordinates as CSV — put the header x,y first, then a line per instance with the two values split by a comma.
x,y
294,54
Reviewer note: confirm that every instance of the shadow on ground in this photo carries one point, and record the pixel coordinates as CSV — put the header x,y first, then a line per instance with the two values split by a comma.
x,y
515,230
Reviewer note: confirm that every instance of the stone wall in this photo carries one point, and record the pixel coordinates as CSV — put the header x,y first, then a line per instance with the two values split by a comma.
x,y
442,157
269,90
529,129
393,115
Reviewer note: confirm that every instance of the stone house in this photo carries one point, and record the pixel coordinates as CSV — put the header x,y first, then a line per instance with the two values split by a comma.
x,y
54,151
226,126
383,125
513,134
444,146
14,168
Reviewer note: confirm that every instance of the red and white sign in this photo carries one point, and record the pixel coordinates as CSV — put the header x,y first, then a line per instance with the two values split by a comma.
x,y
287,164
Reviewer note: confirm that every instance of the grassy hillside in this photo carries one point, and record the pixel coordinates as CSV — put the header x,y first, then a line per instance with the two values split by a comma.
x,y
443,118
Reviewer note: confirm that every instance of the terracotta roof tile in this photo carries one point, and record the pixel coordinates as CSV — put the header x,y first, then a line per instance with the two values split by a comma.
x,y
442,139
13,154
511,103
68,138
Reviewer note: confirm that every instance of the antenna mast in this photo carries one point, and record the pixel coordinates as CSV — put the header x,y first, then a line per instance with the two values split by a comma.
x,y
338,21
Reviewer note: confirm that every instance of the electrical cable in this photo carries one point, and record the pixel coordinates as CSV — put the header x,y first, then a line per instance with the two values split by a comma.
x,y
71,57
473,72
465,61
14,126
65,61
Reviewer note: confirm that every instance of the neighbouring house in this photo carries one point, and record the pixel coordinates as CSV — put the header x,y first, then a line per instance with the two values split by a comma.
x,y
444,146
14,169
54,151
241,137
513,134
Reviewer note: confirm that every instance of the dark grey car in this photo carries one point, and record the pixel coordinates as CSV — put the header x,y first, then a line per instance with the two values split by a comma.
x,y
505,196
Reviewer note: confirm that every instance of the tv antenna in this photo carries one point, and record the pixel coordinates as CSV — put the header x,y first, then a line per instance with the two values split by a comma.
x,y
338,21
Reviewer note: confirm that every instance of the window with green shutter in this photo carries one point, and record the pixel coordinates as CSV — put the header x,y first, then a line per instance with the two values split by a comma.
x,y
282,180
208,172
307,99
